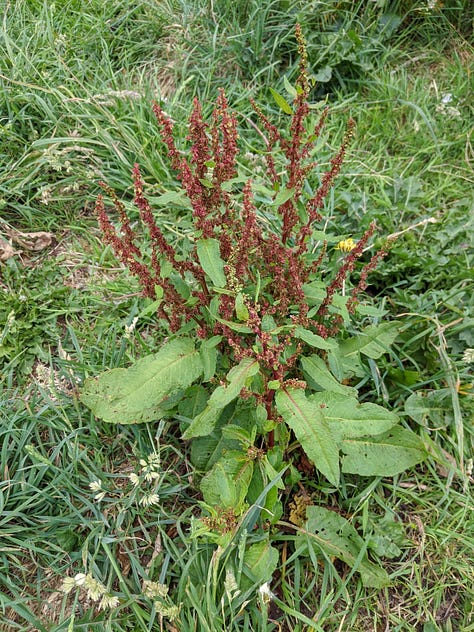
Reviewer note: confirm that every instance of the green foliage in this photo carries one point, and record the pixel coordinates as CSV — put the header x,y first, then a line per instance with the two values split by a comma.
x,y
257,315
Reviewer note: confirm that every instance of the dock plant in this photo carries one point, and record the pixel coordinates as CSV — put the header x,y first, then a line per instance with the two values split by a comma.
x,y
265,343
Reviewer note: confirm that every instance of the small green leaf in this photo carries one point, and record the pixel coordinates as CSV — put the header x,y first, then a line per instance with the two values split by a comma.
x,y
136,394
283,196
289,88
311,430
324,74
206,183
316,371
281,102
384,455
313,340
373,341
227,482
314,293
208,354
335,535
208,252
260,562
237,377
241,308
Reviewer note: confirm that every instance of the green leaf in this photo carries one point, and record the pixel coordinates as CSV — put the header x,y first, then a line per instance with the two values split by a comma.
x,y
237,377
134,395
281,102
324,74
314,340
208,354
260,562
348,419
241,308
283,196
383,455
335,535
316,371
373,341
239,327
226,484
208,252
289,88
314,293
311,430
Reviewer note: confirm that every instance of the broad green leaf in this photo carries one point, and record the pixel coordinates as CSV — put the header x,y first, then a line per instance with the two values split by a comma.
x,y
373,341
169,197
348,419
283,196
260,562
335,535
383,455
281,102
314,293
316,371
134,395
314,340
237,377
226,484
311,430
208,252
241,310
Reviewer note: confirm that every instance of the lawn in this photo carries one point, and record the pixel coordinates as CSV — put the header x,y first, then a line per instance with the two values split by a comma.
x,y
107,524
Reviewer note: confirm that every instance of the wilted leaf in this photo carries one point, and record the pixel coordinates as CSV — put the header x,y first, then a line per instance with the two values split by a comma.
x,y
334,535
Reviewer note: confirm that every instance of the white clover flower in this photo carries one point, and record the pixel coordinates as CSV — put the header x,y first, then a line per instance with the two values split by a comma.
x,y
170,612
79,579
149,499
134,479
468,356
154,589
108,602
69,583
95,588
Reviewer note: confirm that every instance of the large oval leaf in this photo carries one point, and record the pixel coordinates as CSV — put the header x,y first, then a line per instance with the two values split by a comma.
x,y
134,395
384,455
319,376
311,430
348,419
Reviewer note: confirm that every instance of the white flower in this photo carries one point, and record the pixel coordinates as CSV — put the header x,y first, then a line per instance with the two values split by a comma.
x,y
129,329
134,479
96,486
154,589
95,588
68,584
266,594
79,579
108,602
468,356
149,499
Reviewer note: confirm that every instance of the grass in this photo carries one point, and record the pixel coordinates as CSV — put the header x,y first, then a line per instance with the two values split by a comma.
x,y
76,82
